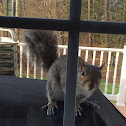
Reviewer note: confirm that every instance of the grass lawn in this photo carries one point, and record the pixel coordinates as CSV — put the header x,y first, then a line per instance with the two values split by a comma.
x,y
31,76
102,84
109,90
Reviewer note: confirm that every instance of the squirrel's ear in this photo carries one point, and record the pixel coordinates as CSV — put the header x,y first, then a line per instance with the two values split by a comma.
x,y
82,63
102,66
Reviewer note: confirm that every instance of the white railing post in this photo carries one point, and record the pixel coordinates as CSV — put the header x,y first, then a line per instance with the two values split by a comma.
x,y
94,55
79,53
115,72
101,58
28,60
41,72
21,61
35,68
107,73
122,91
86,55
64,51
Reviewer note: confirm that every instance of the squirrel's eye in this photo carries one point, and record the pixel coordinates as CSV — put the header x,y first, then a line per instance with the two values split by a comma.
x,y
82,73
79,97
100,76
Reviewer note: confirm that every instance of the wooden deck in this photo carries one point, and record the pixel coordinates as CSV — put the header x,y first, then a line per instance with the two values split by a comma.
x,y
121,110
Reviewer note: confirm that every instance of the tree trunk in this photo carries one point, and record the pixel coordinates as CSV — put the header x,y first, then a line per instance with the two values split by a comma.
x,y
17,8
89,19
17,14
107,19
93,35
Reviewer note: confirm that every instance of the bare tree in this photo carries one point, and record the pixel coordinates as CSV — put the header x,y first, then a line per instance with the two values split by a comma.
x,y
107,19
17,14
89,18
2,9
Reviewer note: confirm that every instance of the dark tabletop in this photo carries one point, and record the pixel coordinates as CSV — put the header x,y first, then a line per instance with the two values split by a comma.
x,y
21,101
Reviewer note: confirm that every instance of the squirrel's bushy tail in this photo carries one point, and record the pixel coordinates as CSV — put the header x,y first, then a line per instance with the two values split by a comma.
x,y
43,45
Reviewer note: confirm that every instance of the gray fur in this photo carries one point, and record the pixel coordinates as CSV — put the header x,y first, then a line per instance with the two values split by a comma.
x,y
43,45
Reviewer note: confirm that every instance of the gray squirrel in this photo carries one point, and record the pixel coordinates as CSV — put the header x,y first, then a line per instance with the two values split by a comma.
x,y
43,45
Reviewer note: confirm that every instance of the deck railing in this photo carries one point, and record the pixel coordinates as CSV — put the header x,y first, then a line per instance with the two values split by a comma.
x,y
121,96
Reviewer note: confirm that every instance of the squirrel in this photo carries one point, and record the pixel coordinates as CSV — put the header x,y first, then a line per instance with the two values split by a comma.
x,y
43,45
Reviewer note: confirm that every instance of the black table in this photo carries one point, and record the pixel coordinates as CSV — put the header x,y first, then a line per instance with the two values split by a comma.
x,y
21,101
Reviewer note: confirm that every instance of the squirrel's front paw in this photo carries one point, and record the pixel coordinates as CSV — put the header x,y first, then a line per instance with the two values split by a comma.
x,y
93,104
78,110
50,109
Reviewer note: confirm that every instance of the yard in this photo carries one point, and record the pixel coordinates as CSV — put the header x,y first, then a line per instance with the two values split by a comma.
x,y
102,85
